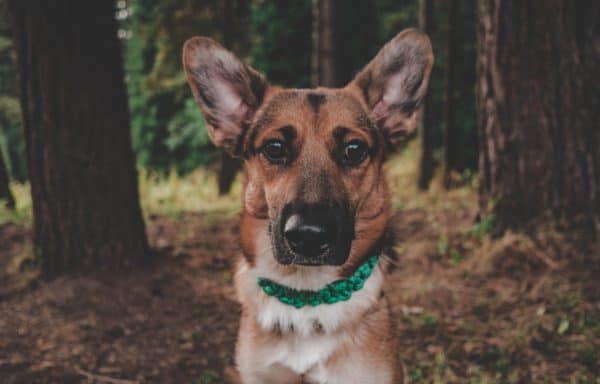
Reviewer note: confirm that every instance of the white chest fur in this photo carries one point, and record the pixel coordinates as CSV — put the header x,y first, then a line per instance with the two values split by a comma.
x,y
309,335
302,354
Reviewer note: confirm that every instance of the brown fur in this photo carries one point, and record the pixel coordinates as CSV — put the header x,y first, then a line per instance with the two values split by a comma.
x,y
243,113
370,197
371,338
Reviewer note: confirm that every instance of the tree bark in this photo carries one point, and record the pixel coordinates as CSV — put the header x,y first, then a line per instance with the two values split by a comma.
x,y
451,135
324,56
425,170
538,100
229,168
354,50
5,193
76,121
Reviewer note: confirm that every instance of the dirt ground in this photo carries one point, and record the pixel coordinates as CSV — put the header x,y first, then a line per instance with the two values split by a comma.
x,y
468,310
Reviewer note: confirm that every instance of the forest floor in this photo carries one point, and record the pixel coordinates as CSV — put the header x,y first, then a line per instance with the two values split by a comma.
x,y
469,309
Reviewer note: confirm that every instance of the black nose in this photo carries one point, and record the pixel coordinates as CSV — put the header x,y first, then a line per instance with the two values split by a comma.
x,y
307,239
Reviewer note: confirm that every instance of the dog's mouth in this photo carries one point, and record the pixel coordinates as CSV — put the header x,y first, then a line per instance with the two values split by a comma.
x,y
312,235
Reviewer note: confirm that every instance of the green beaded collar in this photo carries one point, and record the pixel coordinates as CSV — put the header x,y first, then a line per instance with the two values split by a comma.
x,y
340,290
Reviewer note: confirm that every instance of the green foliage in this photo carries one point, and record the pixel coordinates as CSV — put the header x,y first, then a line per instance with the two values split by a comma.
x,y
416,374
197,192
168,130
455,256
482,228
208,377
589,357
443,245
397,15
429,320
274,36
22,214
188,138
282,41
12,143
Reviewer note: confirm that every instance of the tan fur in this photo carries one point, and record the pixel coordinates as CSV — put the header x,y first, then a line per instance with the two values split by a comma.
x,y
364,344
351,341
268,189
369,352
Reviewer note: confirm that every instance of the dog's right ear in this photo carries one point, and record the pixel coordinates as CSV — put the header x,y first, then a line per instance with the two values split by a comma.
x,y
227,91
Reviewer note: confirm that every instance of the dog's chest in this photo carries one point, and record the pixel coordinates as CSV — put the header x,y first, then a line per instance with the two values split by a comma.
x,y
322,321
303,355
321,359
306,338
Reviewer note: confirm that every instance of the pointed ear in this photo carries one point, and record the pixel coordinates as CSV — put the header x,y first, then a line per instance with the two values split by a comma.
x,y
394,83
227,91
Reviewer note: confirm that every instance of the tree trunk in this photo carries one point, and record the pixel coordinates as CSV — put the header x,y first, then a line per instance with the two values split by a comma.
x,y
81,166
5,193
426,125
451,136
352,54
229,168
229,165
324,56
539,110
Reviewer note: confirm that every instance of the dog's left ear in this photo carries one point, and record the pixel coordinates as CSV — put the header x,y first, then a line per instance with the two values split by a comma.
x,y
394,83
227,91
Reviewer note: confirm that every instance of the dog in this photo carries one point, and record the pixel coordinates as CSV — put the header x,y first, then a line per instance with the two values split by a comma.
x,y
316,209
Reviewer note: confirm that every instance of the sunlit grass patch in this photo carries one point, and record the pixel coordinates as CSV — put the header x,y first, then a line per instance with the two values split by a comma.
x,y
170,195
173,195
22,213
402,169
195,193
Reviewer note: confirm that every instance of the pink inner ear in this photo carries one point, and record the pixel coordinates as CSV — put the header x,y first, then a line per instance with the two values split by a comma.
x,y
386,118
387,112
230,102
393,120
394,91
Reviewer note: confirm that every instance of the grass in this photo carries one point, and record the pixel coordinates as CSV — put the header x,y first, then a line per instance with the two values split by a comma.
x,y
22,213
402,169
173,195
195,193
170,195
498,323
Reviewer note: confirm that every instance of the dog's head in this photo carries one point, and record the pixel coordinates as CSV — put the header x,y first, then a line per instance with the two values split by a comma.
x,y
313,158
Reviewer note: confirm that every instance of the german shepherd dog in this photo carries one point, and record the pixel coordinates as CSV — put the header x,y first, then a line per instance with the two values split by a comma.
x,y
316,209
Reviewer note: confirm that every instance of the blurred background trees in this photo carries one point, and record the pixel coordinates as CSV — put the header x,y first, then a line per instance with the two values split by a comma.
x,y
325,42
12,146
81,166
275,37
425,165
5,193
539,122
338,50
504,290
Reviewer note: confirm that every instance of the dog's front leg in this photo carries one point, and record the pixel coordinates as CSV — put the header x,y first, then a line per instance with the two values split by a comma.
x,y
254,353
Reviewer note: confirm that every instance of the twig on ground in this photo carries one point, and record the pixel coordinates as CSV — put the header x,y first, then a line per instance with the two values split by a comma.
x,y
92,377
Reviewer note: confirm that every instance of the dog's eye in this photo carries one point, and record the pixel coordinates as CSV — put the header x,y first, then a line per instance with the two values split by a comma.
x,y
355,151
275,151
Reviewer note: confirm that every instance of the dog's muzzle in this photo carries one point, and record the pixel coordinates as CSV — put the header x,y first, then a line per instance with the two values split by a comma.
x,y
313,234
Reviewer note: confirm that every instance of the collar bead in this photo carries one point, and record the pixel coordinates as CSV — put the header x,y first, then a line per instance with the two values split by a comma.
x,y
340,290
